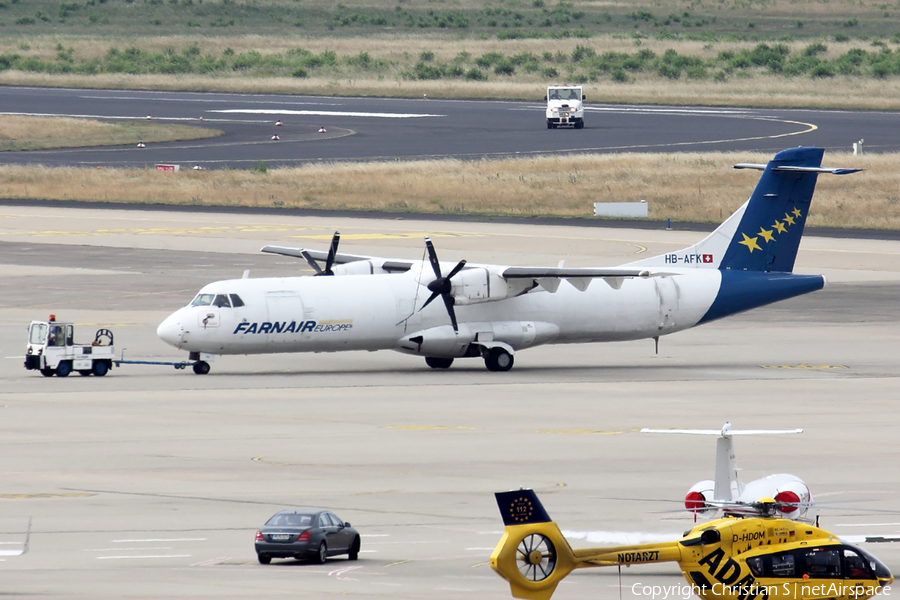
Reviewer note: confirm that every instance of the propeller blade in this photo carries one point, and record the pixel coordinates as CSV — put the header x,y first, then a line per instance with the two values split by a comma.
x,y
448,302
312,262
329,261
432,297
456,269
432,257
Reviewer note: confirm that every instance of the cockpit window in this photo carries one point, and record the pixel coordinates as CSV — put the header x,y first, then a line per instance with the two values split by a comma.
x,y
203,300
823,563
855,565
236,301
222,301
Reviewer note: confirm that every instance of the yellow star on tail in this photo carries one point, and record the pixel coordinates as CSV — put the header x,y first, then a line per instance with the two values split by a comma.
x,y
766,234
750,242
779,226
788,219
797,213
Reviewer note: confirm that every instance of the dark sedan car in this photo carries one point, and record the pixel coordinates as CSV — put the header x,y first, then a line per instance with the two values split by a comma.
x,y
313,534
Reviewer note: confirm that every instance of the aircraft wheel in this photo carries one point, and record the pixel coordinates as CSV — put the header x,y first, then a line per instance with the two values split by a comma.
x,y
498,359
438,363
63,368
84,372
100,368
201,367
48,372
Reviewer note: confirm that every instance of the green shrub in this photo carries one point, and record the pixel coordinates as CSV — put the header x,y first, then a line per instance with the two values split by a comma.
x,y
474,74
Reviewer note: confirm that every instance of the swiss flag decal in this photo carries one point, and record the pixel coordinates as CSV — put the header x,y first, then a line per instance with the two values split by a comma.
x,y
707,258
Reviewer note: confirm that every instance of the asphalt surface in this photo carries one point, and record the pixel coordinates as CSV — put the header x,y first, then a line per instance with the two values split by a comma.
x,y
151,482
360,129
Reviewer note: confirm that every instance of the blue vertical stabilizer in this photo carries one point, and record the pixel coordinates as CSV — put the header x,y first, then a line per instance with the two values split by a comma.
x,y
768,235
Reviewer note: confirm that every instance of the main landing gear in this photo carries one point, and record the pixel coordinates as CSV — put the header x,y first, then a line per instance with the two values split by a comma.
x,y
495,359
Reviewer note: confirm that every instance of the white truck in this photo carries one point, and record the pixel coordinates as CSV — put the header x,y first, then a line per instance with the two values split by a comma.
x,y
565,106
53,351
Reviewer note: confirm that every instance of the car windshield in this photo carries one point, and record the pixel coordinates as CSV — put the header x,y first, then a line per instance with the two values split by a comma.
x,y
564,94
38,334
289,520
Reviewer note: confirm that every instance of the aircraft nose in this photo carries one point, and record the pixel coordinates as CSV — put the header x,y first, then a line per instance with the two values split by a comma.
x,y
170,331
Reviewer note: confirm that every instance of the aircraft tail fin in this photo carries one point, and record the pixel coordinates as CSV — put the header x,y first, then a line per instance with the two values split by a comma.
x,y
533,556
763,234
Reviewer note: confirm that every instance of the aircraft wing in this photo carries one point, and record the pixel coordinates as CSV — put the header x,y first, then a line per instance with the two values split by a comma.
x,y
392,266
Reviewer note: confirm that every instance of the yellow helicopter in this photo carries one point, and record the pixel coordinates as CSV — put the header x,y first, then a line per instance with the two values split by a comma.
x,y
732,558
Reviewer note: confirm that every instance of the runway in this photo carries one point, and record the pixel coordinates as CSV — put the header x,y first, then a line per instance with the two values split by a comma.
x,y
361,129
151,482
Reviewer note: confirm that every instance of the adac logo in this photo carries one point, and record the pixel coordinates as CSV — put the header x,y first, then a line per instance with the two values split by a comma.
x,y
521,509
768,235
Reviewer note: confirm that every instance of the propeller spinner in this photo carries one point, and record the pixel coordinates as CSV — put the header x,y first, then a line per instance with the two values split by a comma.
x,y
441,286
329,260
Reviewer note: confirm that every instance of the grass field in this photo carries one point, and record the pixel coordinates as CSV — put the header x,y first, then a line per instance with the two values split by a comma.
x,y
35,133
683,187
760,52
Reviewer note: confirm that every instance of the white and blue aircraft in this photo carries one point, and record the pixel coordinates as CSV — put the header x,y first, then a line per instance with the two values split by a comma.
x,y
494,311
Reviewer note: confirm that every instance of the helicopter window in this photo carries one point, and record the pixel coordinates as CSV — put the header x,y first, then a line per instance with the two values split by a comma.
x,y
783,565
855,566
203,300
236,301
756,566
222,301
823,564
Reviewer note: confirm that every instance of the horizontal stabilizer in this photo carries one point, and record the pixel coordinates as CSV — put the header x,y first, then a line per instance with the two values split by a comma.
x,y
798,169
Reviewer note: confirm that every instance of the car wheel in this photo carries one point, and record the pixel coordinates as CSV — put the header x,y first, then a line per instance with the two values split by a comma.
x,y
438,363
48,372
321,554
354,550
64,368
201,367
100,368
263,559
579,125
84,372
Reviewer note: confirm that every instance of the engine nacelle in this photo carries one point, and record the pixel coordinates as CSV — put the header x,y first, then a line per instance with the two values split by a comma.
x,y
698,497
784,488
